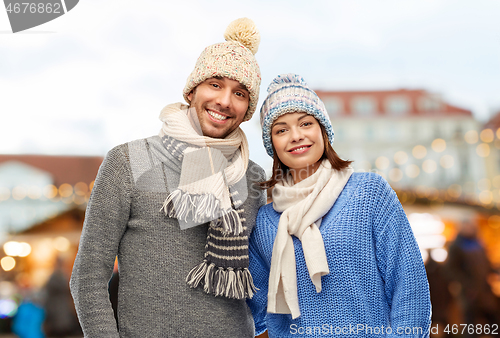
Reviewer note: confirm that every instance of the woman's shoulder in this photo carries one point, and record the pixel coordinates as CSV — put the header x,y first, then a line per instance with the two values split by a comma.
x,y
369,180
267,209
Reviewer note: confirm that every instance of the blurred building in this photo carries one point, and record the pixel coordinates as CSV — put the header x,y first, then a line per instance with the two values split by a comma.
x,y
412,137
42,206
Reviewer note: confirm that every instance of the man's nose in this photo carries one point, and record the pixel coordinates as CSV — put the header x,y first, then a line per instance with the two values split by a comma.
x,y
224,98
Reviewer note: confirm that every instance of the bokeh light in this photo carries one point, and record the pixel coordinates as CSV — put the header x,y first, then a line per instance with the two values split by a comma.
x,y
4,193
494,221
400,157
487,136
483,150
81,189
484,184
471,137
65,190
447,161
8,263
8,308
419,151
382,162
61,244
429,166
438,145
25,249
50,191
34,192
12,248
439,254
455,190
395,174
486,197
412,171
19,192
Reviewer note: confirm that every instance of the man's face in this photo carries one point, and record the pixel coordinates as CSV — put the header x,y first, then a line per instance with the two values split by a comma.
x,y
221,105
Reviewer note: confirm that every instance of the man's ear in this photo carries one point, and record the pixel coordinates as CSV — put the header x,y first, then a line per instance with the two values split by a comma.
x,y
190,95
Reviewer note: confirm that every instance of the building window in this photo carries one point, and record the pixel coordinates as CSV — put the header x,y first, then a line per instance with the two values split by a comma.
x,y
334,106
430,103
370,133
397,105
364,105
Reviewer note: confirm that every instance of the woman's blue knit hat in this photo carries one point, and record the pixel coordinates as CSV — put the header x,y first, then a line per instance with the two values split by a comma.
x,y
289,93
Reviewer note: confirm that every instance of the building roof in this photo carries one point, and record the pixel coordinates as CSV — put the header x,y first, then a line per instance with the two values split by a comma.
x,y
416,99
494,122
64,169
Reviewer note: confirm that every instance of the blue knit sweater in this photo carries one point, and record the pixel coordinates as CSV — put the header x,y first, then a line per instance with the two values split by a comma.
x,y
377,278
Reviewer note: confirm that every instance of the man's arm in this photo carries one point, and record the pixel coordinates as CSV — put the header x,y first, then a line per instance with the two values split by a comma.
x,y
105,222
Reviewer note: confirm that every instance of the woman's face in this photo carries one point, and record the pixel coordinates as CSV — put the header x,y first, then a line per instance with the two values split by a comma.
x,y
298,142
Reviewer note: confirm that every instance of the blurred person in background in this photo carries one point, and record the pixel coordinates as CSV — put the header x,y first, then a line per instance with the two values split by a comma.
x,y
28,321
468,265
60,316
440,294
173,207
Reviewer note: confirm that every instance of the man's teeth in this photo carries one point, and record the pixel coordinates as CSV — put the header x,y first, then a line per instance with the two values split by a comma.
x,y
217,116
301,148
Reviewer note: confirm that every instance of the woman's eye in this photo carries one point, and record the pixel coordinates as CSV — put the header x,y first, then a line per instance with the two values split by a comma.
x,y
307,124
279,131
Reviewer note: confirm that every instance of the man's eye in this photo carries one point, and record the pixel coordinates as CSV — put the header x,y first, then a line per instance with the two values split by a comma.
x,y
240,94
215,85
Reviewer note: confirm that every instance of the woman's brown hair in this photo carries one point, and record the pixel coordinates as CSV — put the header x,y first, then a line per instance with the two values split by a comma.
x,y
280,170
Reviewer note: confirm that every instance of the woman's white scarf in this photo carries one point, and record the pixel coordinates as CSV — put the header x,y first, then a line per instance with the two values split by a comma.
x,y
209,167
303,205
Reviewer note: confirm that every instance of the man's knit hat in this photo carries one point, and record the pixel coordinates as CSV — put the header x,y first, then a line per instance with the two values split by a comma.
x,y
289,93
233,59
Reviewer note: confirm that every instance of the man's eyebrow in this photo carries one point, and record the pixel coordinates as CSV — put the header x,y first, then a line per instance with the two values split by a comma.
x,y
243,87
240,85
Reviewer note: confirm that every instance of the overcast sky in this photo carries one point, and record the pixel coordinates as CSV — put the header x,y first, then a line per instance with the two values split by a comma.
x,y
99,75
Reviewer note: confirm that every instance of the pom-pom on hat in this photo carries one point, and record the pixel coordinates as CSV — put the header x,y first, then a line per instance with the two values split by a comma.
x,y
233,59
289,93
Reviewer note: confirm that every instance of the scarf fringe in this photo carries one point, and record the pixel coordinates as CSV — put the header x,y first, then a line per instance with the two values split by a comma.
x,y
229,222
180,205
231,283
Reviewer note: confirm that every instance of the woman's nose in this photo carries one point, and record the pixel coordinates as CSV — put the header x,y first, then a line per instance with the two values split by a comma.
x,y
296,134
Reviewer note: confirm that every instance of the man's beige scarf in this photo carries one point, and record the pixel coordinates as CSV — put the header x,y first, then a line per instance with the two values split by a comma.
x,y
209,167
208,192
303,205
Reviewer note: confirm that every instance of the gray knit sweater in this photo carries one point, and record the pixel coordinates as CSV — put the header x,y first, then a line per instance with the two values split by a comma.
x,y
123,219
